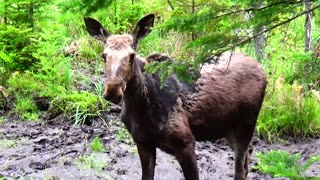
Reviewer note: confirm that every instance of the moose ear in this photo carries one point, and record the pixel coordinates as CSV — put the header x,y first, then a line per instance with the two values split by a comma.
x,y
143,27
95,29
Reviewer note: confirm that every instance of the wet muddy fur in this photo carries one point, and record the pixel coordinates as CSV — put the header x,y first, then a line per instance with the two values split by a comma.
x,y
224,102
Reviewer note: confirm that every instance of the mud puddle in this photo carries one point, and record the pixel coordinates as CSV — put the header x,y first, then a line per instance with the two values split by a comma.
x,y
59,150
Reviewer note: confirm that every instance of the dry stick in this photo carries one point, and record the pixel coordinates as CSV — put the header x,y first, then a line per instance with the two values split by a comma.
x,y
261,32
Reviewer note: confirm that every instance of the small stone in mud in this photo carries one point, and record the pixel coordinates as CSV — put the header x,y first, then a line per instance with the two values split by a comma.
x,y
113,161
121,171
38,165
67,163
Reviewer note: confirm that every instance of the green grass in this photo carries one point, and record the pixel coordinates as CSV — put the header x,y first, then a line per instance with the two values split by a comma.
x,y
26,109
288,112
91,162
97,145
80,105
2,119
283,164
10,143
124,136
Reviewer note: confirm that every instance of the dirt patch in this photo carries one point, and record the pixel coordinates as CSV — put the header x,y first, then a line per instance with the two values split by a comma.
x,y
53,150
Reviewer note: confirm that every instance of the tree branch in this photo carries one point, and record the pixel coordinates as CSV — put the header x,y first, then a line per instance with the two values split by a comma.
x,y
257,8
213,56
170,4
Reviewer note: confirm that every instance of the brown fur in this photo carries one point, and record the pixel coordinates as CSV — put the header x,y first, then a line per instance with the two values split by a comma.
x,y
224,102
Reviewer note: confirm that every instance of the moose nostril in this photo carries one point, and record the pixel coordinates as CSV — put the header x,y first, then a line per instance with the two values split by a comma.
x,y
116,99
113,99
106,97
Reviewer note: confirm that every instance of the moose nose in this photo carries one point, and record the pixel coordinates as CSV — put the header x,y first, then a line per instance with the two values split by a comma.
x,y
114,99
113,94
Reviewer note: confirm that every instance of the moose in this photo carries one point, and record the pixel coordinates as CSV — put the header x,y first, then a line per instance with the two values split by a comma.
x,y
223,103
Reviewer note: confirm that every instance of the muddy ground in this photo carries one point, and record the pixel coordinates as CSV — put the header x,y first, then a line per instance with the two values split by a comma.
x,y
53,150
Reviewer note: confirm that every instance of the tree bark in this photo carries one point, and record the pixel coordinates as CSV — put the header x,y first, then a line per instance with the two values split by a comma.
x,y
5,12
193,36
308,26
31,9
259,40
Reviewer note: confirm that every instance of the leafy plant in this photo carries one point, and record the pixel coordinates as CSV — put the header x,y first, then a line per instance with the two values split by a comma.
x,y
283,164
2,119
97,145
26,108
287,111
80,105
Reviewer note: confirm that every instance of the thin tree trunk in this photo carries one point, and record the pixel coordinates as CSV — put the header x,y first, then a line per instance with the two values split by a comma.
x,y
259,43
193,36
31,8
5,12
308,27
260,40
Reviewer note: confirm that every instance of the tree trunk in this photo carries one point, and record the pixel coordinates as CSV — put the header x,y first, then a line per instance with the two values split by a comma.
x,y
193,36
259,41
31,8
5,12
308,27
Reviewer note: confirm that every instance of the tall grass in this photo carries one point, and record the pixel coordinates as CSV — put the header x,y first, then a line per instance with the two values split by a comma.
x,y
288,112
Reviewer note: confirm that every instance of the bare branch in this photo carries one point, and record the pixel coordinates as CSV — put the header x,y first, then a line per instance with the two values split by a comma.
x,y
170,4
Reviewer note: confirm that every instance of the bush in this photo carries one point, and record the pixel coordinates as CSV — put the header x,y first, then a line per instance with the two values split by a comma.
x,y
79,105
287,111
16,48
26,109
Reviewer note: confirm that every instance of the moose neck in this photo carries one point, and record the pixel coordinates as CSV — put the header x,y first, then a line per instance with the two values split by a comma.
x,y
136,90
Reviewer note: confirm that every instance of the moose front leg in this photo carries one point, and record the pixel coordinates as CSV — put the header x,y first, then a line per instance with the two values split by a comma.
x,y
148,161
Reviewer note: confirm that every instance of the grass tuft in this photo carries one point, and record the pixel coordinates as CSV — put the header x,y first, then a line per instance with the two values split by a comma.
x,y
97,145
283,164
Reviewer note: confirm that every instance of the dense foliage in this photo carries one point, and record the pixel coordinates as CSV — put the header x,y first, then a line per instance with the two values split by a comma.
x,y
45,53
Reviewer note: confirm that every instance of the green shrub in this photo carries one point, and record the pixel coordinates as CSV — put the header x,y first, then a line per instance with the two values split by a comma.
x,y
25,84
283,164
80,105
16,48
287,111
26,108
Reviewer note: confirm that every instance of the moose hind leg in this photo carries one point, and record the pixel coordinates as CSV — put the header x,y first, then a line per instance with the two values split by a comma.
x,y
241,155
187,159
247,160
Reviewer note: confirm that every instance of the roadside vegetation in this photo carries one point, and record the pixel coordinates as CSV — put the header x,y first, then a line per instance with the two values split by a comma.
x,y
50,66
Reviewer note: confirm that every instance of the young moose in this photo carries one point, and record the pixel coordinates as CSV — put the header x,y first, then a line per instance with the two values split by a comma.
x,y
224,102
